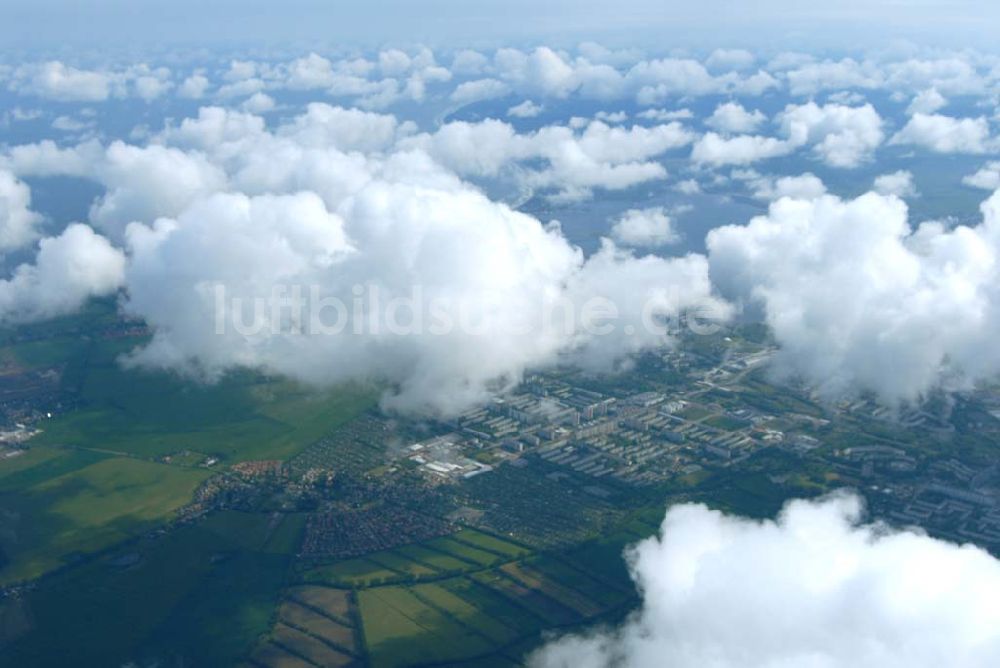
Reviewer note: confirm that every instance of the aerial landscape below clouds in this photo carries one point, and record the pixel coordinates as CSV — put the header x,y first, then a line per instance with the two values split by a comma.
x,y
385,339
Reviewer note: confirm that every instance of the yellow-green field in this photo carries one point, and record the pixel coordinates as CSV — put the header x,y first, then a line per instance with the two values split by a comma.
x,y
84,510
470,596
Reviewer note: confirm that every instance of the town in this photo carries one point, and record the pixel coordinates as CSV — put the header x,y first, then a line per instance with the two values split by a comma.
x,y
564,440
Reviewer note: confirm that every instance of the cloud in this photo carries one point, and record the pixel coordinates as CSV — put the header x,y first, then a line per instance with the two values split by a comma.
x,y
840,136
730,59
595,74
806,186
611,116
258,103
665,115
55,81
469,63
812,77
899,183
345,129
20,114
68,270
240,70
148,83
141,183
944,134
339,200
405,77
472,260
144,183
18,223
216,131
241,88
317,150
815,587
478,90
926,102
645,228
310,72
70,124
45,158
656,80
848,97
714,149
986,177
688,187
393,62
393,76
858,301
733,118
601,156
194,87
542,71
526,109
951,75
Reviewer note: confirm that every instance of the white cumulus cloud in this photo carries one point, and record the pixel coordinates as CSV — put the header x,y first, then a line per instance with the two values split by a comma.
x,y
927,102
68,270
841,136
806,186
645,227
526,109
898,183
815,587
944,134
732,117
339,199
858,300
18,223
986,177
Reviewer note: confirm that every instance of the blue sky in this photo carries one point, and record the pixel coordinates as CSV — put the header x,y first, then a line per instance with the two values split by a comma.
x,y
114,24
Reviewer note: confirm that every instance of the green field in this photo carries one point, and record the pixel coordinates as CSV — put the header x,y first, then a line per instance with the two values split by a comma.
x,y
55,515
490,543
317,624
495,606
243,417
193,597
482,615
470,598
464,551
606,593
442,561
88,480
567,597
334,603
401,564
462,609
394,618
317,652
351,573
38,464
